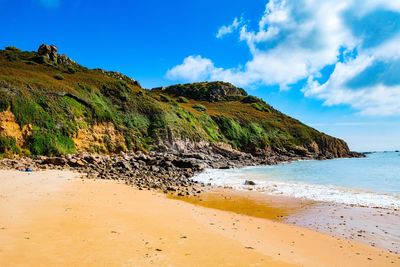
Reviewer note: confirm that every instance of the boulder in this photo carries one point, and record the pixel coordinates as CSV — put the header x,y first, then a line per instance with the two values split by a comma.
x,y
49,51
56,161
249,182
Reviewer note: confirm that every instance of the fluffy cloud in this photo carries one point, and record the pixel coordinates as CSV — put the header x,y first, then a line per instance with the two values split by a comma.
x,y
193,68
224,30
369,82
297,39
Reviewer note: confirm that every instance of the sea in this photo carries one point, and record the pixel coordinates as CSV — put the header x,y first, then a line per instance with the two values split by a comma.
x,y
373,181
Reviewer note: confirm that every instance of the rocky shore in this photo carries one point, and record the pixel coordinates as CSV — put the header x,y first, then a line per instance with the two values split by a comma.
x,y
169,172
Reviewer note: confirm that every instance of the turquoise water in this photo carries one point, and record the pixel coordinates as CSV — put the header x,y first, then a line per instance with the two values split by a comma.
x,y
379,172
371,181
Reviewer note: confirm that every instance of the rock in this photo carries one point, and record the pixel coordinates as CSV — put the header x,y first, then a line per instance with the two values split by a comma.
x,y
49,51
77,163
56,161
249,182
183,164
64,60
225,167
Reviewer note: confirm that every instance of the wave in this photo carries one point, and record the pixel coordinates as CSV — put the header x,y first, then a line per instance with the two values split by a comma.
x,y
323,193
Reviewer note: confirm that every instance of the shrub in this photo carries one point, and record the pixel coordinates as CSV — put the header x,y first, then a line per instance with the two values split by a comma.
x,y
251,99
233,131
59,77
4,101
182,99
8,145
260,107
49,143
165,98
41,59
71,70
199,107
12,48
42,143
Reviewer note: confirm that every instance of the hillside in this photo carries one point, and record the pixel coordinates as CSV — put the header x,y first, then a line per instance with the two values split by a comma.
x,y
50,105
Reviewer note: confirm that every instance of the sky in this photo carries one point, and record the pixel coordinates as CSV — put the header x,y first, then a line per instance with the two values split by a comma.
x,y
333,64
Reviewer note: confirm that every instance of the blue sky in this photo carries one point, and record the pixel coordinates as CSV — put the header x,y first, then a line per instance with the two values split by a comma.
x,y
333,64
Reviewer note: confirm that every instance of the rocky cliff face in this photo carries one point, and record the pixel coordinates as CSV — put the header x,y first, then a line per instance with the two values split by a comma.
x,y
51,105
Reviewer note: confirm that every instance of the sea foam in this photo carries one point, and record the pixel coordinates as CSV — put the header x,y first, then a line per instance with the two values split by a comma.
x,y
319,192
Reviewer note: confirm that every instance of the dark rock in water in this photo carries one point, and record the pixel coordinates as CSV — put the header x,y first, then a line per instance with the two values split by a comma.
x,y
249,182
226,167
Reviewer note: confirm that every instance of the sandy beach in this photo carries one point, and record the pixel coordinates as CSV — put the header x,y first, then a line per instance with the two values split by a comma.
x,y
54,218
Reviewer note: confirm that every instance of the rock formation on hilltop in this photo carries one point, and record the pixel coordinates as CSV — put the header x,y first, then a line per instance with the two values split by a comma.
x,y
49,53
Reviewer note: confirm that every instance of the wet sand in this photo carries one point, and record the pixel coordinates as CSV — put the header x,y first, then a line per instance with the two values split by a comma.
x,y
377,227
374,226
248,203
56,219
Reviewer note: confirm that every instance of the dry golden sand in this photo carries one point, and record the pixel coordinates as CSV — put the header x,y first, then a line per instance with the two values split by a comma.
x,y
56,219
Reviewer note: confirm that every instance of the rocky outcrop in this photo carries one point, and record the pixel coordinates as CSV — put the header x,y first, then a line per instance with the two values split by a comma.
x,y
49,54
206,91
48,51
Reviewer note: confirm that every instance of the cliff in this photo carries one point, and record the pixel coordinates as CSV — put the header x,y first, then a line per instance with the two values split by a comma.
x,y
50,105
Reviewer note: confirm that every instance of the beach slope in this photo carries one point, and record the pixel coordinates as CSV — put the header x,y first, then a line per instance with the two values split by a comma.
x,y
54,218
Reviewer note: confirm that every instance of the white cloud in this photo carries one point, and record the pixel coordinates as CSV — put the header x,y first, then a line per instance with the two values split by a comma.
x,y
193,68
225,30
296,39
376,100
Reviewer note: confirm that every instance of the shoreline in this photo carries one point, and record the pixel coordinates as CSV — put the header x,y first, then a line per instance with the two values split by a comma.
x,y
377,227
55,218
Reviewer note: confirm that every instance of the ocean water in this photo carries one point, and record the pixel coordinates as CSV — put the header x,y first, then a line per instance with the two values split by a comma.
x,y
373,181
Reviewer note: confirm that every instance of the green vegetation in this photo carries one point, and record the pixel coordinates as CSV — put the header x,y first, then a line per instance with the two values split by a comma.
x,y
260,107
199,107
182,99
8,145
59,100
165,98
59,77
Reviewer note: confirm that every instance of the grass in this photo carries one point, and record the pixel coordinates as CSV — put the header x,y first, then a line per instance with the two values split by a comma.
x,y
59,100
199,107
8,145
59,77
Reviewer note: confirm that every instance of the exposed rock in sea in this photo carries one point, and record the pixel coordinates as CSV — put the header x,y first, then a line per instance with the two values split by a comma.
x,y
249,182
